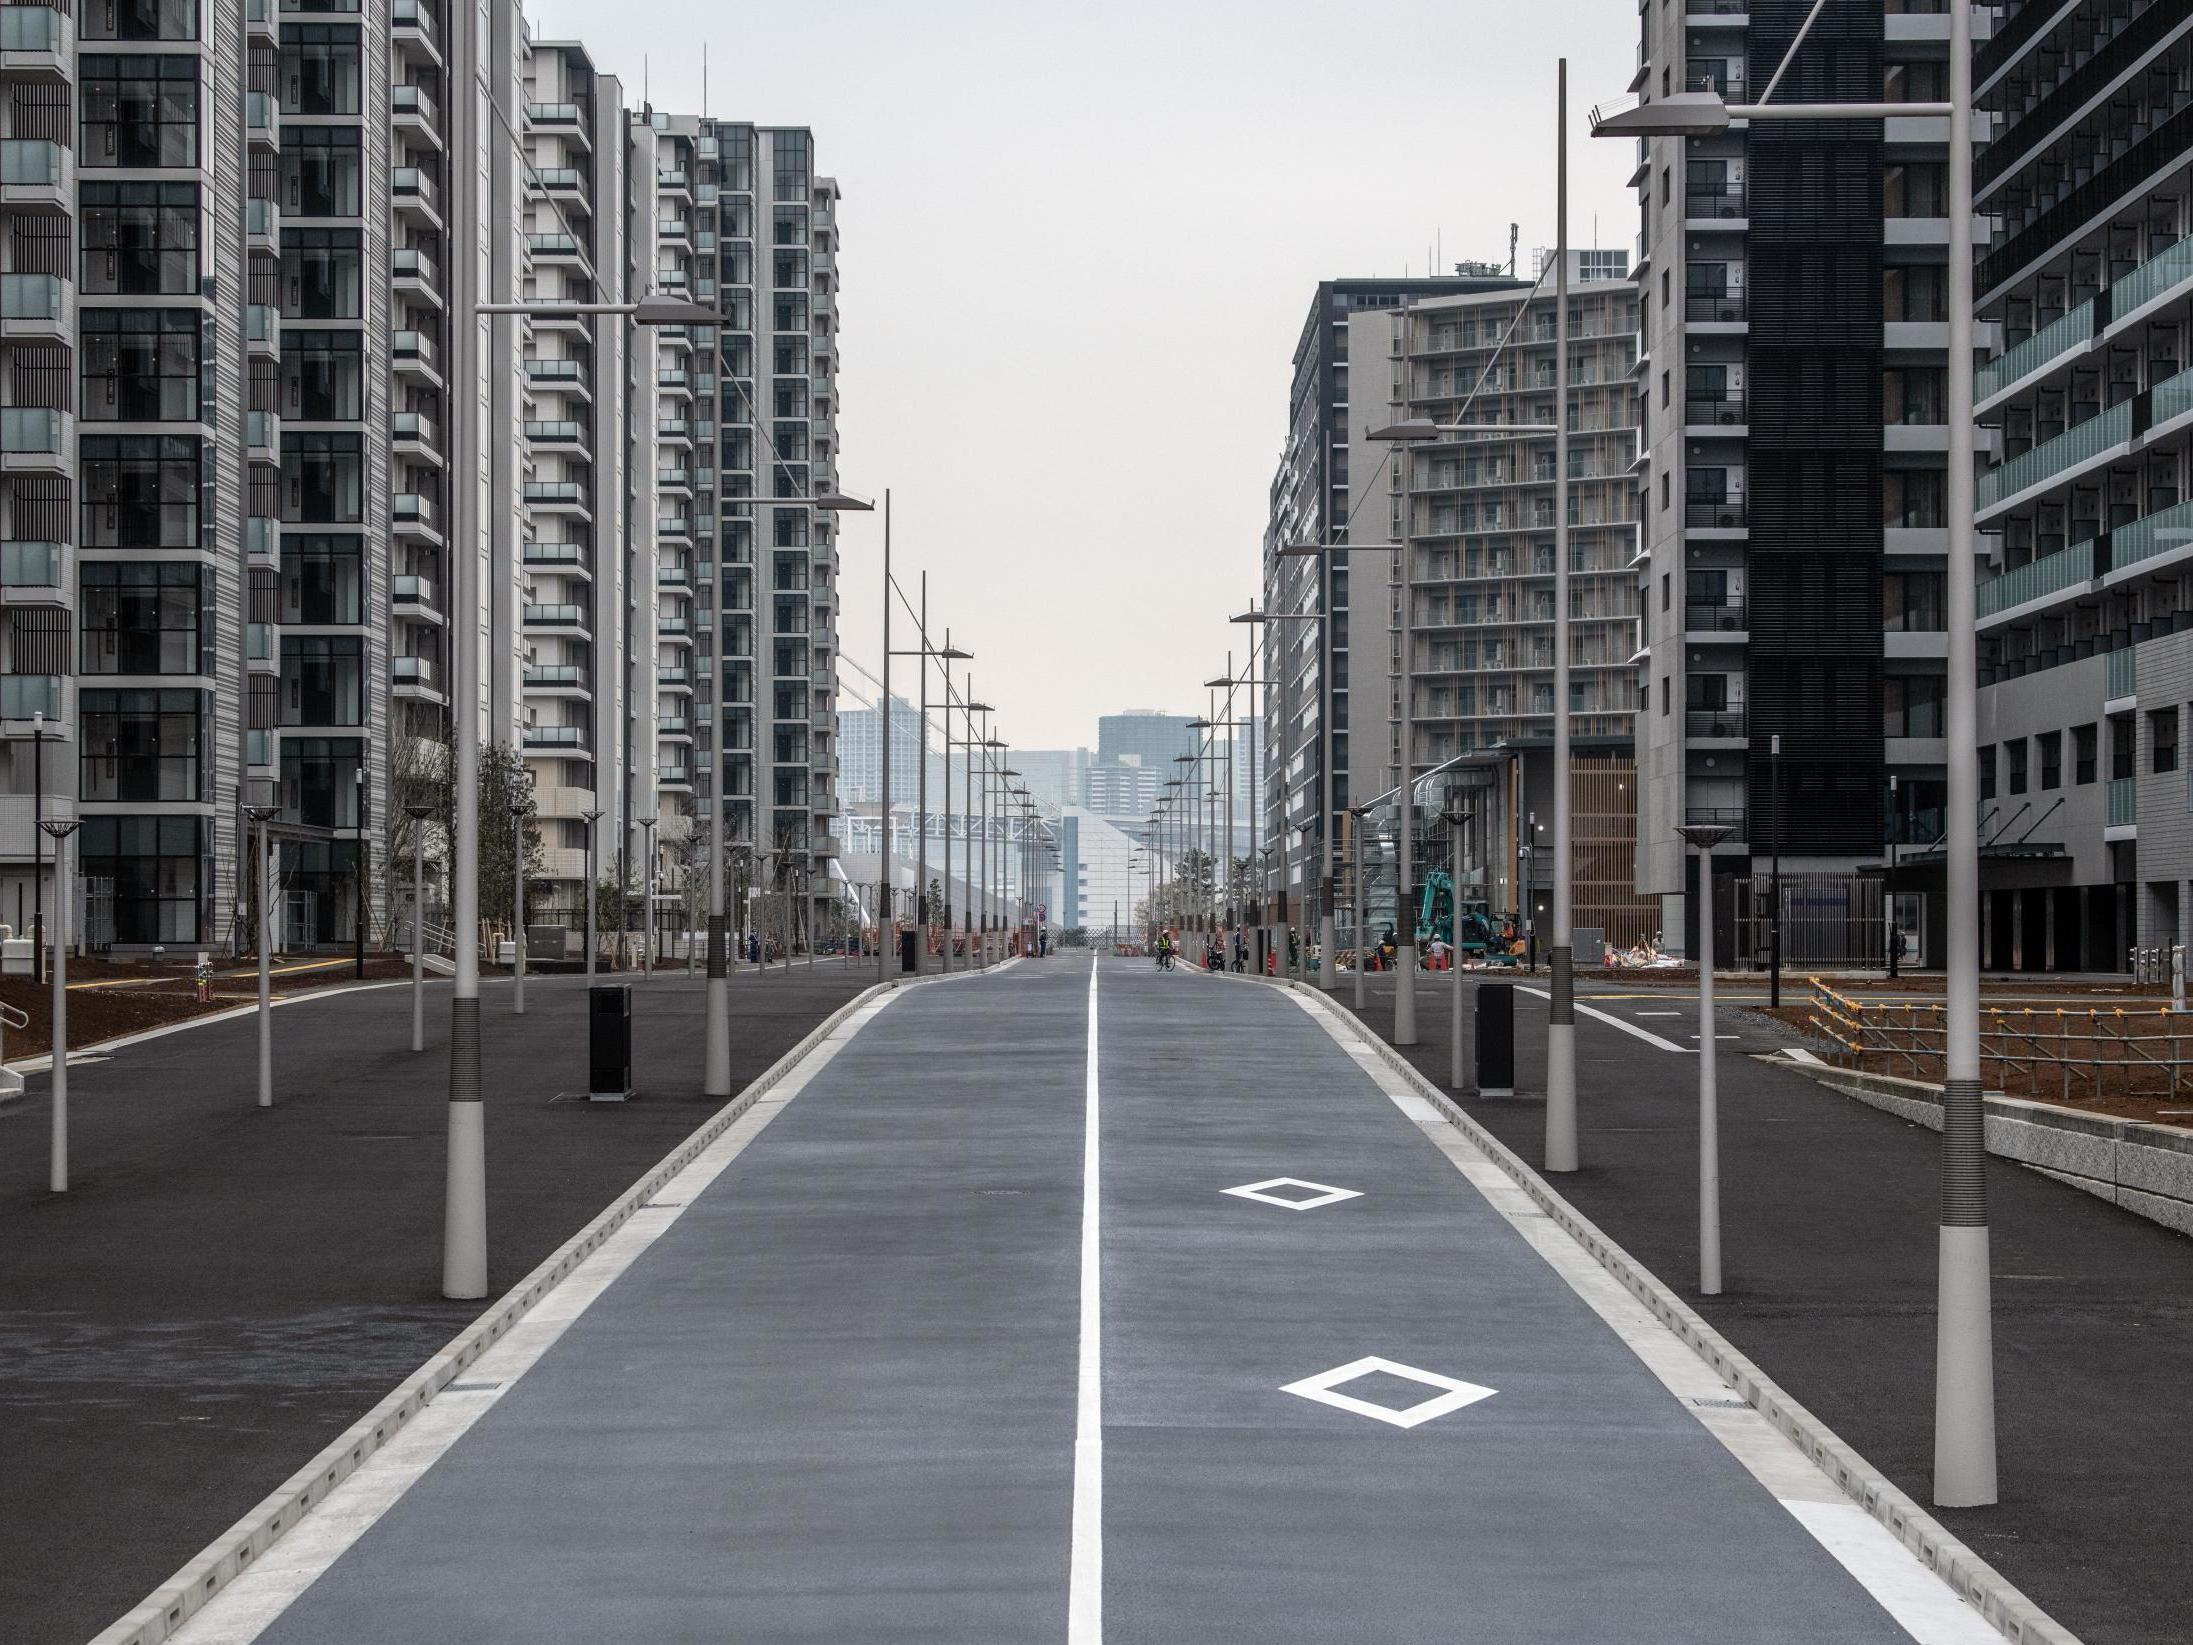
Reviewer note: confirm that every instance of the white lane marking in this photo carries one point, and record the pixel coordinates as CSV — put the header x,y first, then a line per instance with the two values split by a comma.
x,y
1645,1034
1085,1579
1659,1013
251,1603
1320,1193
1923,1605
1323,1389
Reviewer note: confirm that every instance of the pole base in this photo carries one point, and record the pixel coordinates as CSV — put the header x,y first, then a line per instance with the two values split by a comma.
x,y
1964,1372
1404,994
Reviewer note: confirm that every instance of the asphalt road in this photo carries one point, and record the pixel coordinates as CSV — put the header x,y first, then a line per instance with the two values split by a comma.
x,y
859,1387
225,1289
1828,1212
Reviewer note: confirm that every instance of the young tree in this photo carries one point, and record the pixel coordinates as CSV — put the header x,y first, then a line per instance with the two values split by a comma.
x,y
504,783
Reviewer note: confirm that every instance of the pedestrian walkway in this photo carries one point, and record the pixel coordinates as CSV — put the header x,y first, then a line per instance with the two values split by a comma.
x,y
917,1352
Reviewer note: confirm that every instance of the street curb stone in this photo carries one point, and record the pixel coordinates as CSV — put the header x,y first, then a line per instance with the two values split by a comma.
x,y
2005,1608
232,1553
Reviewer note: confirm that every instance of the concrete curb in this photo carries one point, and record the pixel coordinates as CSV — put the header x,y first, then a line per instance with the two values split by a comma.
x,y
229,1555
2145,1169
1978,1583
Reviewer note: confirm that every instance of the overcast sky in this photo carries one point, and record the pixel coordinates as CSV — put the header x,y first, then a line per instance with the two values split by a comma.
x,y
1079,245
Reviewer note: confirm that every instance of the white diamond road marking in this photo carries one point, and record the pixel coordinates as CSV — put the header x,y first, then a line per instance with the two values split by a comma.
x,y
1324,1389
1321,1193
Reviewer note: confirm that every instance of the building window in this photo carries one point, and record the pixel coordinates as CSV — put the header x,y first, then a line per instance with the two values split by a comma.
x,y
140,20
153,866
320,68
140,111
1912,707
140,492
140,616
1914,499
2162,731
1987,773
1913,602
140,746
1915,188
788,165
2014,759
322,274
2082,754
323,580
323,478
325,375
321,170
140,365
2051,744
320,781
1915,394
1914,291
322,679
140,239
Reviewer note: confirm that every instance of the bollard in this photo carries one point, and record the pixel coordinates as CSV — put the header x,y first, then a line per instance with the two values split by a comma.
x,y
1496,1039
2177,977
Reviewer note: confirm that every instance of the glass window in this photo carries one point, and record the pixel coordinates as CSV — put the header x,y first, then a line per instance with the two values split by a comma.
x,y
2162,728
140,239
1913,602
140,365
140,746
2082,754
323,678
323,580
140,111
140,20
1915,394
2051,744
320,68
323,479
320,781
321,171
140,492
153,865
2014,766
322,273
788,165
1914,291
140,616
1915,188
1914,498
324,373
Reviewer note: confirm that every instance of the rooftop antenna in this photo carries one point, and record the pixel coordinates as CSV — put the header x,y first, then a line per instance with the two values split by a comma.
x,y
1514,229
704,103
644,81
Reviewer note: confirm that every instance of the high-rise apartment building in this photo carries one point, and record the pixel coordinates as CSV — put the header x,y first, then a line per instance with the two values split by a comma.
x,y
2086,633
860,755
1793,384
243,412
1310,504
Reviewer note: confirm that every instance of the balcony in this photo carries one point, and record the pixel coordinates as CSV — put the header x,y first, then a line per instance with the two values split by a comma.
x,y
263,331
416,275
263,543
555,736
2073,330
416,435
1714,513
561,433
415,676
2121,676
29,700
35,574
36,175
674,479
674,525
566,554
2075,446
262,122
37,43
414,596
552,371
262,227
416,34
416,195
1714,307
37,440
1713,205
563,117
2072,567
1723,816
554,677
2123,803
673,576
556,495
569,617
414,111
1714,724
1727,616
36,308
413,514
263,648
674,679
1722,416
263,438
555,248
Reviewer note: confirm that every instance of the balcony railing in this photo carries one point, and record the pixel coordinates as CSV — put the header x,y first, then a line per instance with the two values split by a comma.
x,y
415,426
1713,305
1707,512
2121,674
555,736
552,114
31,296
412,590
34,431
565,432
556,616
413,671
555,553
411,508
413,183
2124,802
1726,412
548,492
409,263
2050,574
412,345
1727,616
2071,330
1713,202
554,674
32,565
30,163
553,245
411,100
2080,443
31,28
1714,722
26,696
552,371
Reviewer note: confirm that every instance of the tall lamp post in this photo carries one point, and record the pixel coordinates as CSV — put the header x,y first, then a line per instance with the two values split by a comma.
x,y
519,811
647,881
358,920
1328,958
1964,1361
58,830
592,818
1774,877
38,839
1459,818
1895,828
418,815
1703,837
263,816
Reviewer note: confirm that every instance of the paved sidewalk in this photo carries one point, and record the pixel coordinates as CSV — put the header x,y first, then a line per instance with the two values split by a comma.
x,y
225,1290
1828,1212
832,1393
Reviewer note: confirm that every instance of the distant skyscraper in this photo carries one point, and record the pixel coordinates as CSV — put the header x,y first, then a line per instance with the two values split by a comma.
x,y
1059,777
860,753
1144,735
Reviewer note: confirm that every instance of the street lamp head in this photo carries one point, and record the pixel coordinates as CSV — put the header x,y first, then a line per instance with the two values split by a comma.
x,y
1222,683
61,828
656,309
952,654
1681,114
980,708
1201,724
417,812
1250,617
843,502
1704,836
262,813
1410,428
593,817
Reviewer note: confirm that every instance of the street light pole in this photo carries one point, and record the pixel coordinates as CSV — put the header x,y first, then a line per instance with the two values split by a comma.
x,y
1458,834
887,922
1704,837
519,811
263,815
1561,1145
592,818
1895,827
58,830
647,881
358,922
418,815
1356,816
1774,877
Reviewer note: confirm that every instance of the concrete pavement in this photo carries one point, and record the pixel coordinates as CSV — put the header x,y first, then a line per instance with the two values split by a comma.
x,y
1332,1379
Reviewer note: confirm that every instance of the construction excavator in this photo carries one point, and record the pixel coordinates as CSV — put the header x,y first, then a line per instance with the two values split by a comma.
x,y
1473,935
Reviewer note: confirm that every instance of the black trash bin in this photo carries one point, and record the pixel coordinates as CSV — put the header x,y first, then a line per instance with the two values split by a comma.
x,y
1496,1039
609,1042
909,951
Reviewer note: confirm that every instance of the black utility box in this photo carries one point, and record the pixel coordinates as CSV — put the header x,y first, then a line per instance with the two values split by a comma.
x,y
909,951
609,1042
1496,1039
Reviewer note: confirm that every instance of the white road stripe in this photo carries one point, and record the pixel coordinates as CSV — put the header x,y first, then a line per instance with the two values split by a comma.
x,y
1085,1583
1645,1034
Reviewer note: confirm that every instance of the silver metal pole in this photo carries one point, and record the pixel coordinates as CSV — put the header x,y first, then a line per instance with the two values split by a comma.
x,y
266,971
1709,1115
58,1165
1328,964
592,817
886,914
647,881
1404,982
1356,901
1561,1146
716,1001
1964,1365
921,788
1457,1069
418,935
517,913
